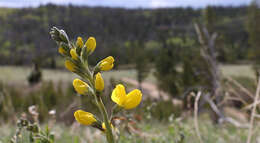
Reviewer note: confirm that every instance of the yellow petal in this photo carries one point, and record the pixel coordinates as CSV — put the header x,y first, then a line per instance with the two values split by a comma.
x,y
91,44
133,99
70,66
62,51
84,118
80,86
74,54
106,66
108,59
99,82
119,95
104,126
79,42
107,63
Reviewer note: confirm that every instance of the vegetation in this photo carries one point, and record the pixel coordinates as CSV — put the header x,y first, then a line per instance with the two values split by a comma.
x,y
92,83
138,53
187,62
254,33
157,132
116,26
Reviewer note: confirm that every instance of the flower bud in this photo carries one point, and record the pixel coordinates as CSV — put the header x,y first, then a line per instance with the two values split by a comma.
x,y
55,34
33,128
107,64
84,118
79,42
74,54
70,66
104,126
91,45
80,86
59,35
64,37
22,123
99,82
62,51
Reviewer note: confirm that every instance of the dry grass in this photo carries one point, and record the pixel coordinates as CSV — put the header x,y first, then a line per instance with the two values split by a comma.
x,y
159,132
12,74
238,70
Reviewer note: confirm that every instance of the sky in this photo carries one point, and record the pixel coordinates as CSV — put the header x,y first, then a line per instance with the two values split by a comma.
x,y
125,3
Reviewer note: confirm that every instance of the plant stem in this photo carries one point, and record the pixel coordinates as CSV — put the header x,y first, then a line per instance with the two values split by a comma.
x,y
108,130
102,109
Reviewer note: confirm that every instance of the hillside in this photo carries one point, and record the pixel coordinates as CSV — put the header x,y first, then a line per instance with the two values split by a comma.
x,y
29,40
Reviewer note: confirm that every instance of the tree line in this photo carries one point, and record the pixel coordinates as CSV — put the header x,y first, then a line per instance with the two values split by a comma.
x,y
24,33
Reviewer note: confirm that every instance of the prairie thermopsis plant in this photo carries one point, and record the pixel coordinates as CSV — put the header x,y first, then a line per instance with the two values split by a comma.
x,y
91,82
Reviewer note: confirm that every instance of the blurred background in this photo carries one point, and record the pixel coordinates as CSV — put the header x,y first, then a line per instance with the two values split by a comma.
x,y
174,51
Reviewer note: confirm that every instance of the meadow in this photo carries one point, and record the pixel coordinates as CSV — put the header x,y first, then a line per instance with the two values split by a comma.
x,y
150,131
14,74
170,130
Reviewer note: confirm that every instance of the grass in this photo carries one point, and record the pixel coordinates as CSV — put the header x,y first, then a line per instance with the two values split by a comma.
x,y
238,70
12,74
155,132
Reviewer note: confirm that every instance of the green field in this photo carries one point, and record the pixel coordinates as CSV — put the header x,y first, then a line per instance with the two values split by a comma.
x,y
152,130
12,74
149,132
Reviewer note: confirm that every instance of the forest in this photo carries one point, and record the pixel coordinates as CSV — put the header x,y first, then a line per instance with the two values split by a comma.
x,y
28,41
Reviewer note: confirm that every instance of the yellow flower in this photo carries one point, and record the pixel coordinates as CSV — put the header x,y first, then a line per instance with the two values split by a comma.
x,y
62,51
80,86
84,118
107,64
70,66
79,42
74,54
99,82
91,45
104,126
127,101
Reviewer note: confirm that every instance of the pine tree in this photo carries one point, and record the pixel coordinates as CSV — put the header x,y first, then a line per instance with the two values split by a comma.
x,y
137,52
253,27
209,18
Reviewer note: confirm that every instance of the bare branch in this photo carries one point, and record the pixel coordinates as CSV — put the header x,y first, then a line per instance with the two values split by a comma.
x,y
236,93
251,105
222,117
240,86
250,133
197,28
213,106
196,116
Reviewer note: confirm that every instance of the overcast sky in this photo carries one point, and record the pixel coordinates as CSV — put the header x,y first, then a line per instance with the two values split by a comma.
x,y
125,3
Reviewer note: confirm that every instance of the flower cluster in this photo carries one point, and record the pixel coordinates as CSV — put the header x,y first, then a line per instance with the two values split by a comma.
x,y
91,82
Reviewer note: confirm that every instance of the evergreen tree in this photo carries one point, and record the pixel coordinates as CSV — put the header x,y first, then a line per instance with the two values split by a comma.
x,y
254,34
138,54
210,18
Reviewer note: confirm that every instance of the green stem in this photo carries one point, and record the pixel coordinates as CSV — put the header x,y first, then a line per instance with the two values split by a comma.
x,y
102,109
108,130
